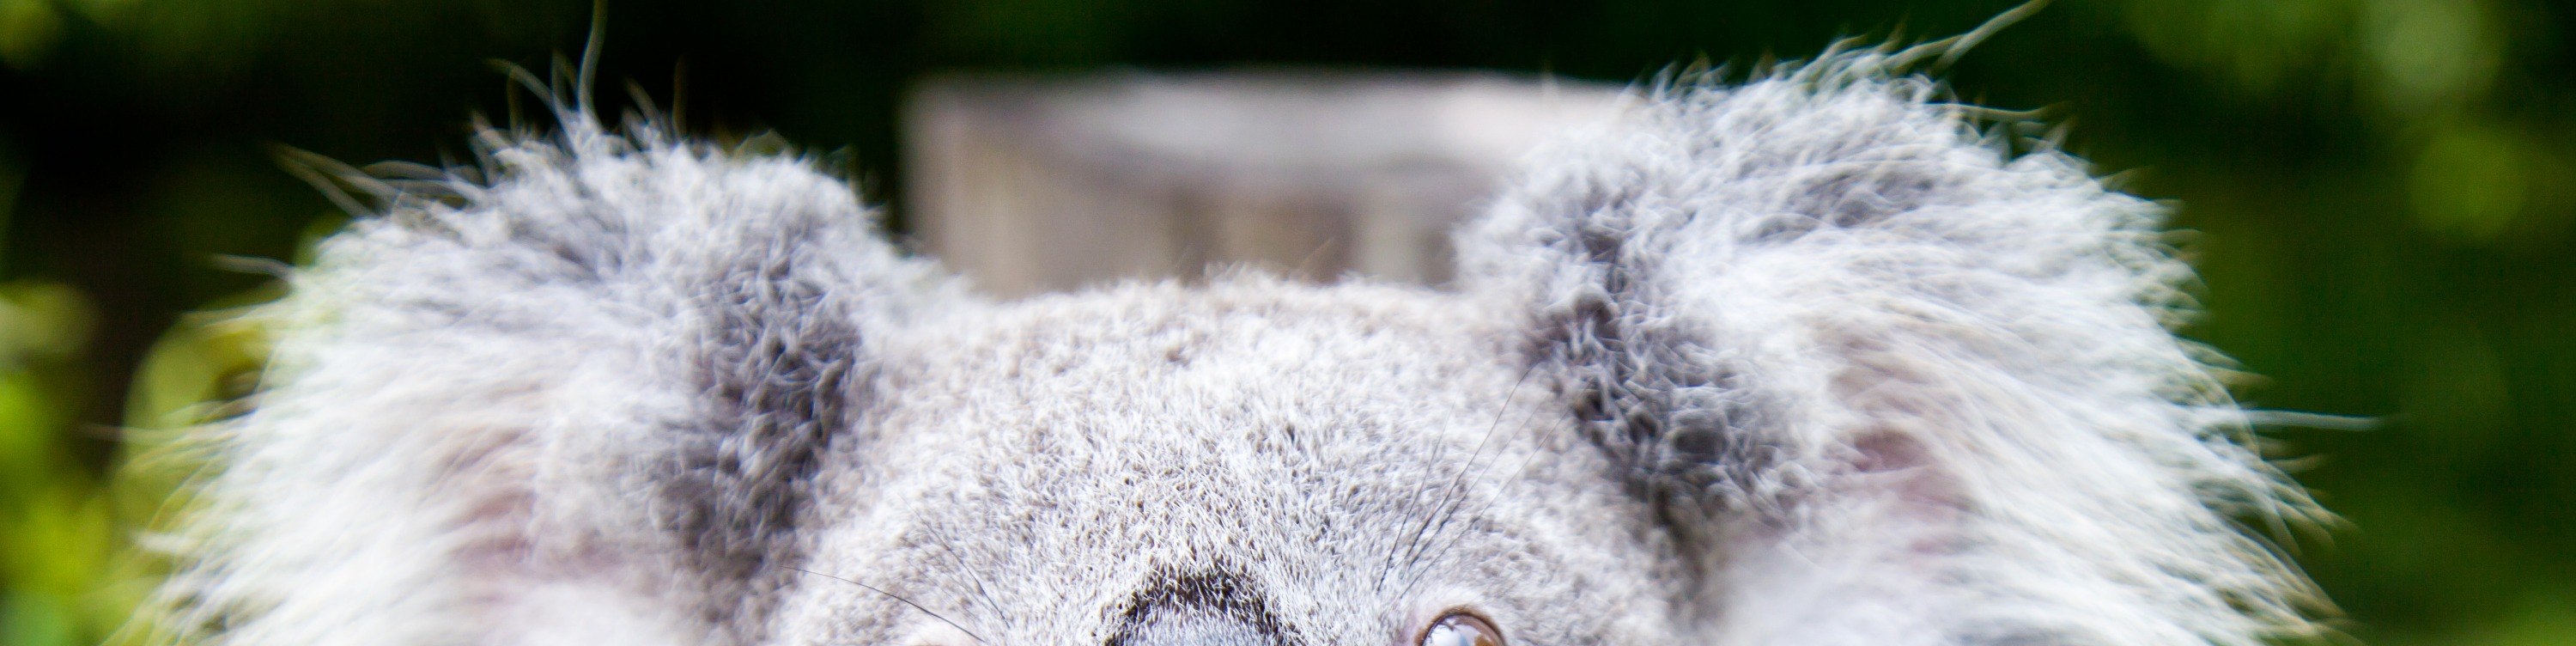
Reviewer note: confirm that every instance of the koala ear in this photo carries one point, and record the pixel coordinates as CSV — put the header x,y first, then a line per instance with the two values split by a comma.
x,y
578,402
1891,383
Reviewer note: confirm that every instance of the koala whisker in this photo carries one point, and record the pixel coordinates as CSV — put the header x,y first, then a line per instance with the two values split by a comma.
x,y
1420,566
1439,513
970,634
972,576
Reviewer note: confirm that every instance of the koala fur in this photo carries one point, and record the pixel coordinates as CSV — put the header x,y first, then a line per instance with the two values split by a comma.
x,y
1807,361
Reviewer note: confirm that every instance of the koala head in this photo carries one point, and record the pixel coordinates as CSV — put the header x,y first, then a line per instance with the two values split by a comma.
x,y
1810,360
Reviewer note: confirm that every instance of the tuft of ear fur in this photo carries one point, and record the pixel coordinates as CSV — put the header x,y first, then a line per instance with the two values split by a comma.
x,y
574,403
1891,382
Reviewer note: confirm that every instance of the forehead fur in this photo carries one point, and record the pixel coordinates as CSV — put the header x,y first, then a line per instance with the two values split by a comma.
x,y
1341,451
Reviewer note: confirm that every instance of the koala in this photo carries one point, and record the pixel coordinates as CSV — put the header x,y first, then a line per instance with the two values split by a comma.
x,y
1812,359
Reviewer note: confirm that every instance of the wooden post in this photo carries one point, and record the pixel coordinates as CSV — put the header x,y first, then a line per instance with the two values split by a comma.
x,y
1032,184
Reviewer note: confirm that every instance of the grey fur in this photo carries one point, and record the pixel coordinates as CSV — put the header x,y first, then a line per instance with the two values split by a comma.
x,y
1806,361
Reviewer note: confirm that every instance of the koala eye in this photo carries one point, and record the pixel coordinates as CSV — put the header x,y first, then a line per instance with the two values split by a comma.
x,y
1460,628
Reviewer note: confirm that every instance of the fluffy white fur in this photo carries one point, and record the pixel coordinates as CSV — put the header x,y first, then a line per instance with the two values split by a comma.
x,y
1950,363
1808,361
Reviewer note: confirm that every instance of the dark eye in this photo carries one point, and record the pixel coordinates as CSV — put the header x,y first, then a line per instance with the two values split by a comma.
x,y
1461,629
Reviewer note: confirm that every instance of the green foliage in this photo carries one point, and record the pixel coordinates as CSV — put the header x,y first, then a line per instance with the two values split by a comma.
x,y
71,569
55,527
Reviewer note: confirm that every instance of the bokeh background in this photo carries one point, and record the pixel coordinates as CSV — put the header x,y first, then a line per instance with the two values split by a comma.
x,y
2381,195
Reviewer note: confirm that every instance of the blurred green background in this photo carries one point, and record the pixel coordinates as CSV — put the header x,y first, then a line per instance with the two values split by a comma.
x,y
2381,195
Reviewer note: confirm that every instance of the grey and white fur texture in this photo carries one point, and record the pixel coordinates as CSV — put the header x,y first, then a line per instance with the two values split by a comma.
x,y
1811,360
